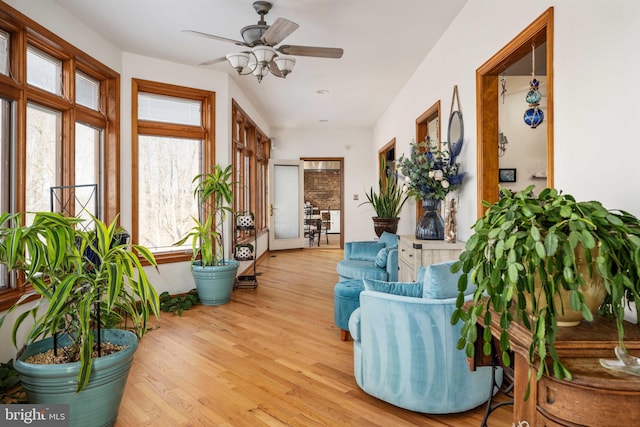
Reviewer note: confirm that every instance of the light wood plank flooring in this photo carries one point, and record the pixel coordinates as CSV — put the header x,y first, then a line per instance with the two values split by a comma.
x,y
271,357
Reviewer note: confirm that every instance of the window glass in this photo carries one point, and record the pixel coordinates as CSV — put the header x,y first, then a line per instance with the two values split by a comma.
x,y
166,204
88,170
87,91
4,52
43,138
161,108
5,172
44,71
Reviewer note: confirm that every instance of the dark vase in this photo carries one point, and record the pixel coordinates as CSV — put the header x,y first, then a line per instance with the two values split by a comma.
x,y
430,225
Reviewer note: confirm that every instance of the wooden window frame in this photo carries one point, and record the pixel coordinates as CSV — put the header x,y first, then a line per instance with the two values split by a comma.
x,y
25,32
249,141
205,132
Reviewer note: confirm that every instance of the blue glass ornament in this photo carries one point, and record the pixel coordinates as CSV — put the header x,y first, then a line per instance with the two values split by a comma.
x,y
533,117
533,97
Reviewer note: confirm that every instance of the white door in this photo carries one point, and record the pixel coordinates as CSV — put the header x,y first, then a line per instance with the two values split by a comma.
x,y
286,200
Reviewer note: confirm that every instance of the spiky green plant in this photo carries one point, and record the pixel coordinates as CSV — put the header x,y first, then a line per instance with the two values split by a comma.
x,y
388,201
52,253
214,190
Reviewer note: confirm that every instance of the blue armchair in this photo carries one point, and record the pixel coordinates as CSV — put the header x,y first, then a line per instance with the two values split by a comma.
x,y
370,259
405,346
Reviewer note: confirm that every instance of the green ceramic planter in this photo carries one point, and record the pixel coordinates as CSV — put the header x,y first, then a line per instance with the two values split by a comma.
x,y
98,404
215,283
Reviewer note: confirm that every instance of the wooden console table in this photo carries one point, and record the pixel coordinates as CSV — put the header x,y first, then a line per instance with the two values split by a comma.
x,y
596,396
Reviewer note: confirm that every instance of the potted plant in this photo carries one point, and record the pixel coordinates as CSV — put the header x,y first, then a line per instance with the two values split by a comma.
x,y
387,202
527,250
213,274
77,296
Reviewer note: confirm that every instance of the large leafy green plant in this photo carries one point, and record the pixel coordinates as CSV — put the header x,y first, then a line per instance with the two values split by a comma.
x,y
214,192
388,201
52,253
523,239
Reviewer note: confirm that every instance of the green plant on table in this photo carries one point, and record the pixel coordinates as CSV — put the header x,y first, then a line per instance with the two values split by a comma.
x,y
523,241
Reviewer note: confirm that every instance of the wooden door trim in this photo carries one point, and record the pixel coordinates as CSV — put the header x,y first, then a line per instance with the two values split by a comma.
x,y
538,32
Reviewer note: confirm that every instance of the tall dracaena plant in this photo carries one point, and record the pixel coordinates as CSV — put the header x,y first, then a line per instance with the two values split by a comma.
x,y
215,192
52,253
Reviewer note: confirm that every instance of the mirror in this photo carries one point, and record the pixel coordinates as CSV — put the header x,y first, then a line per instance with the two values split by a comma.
x,y
456,128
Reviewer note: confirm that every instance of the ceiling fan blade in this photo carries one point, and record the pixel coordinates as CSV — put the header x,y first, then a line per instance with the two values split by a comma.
x,y
213,61
320,52
211,36
278,31
274,69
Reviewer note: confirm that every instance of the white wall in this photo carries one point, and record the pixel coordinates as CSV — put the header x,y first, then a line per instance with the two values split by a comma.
x,y
355,146
595,106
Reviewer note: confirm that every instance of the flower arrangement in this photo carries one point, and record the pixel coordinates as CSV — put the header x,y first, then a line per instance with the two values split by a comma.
x,y
431,171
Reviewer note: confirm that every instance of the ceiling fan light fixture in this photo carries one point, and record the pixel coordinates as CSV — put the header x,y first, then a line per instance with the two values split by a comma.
x,y
260,71
264,54
239,61
285,64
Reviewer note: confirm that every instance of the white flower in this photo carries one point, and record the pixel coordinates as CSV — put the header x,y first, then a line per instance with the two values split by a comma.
x,y
431,174
437,175
445,183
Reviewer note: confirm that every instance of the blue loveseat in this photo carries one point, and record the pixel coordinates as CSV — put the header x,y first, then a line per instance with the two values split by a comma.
x,y
405,346
370,259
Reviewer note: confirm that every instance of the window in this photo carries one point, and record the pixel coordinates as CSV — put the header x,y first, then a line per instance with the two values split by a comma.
x,y
172,142
5,174
87,91
44,71
4,52
47,137
251,149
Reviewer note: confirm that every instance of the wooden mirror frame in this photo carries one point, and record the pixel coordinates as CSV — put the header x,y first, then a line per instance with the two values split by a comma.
x,y
540,31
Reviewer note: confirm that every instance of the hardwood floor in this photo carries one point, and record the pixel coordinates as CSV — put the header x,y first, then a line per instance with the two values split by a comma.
x,y
271,357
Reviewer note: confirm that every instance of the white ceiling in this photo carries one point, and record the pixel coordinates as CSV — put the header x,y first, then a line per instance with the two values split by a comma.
x,y
383,43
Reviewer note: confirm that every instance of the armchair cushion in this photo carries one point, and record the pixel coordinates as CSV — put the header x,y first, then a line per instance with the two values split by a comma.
x,y
365,251
406,289
440,283
389,239
383,254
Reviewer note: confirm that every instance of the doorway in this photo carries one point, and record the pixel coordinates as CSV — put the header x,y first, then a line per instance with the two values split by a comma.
x,y
323,202
539,33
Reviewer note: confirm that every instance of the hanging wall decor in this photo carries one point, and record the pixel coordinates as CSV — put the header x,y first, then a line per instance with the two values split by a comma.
x,y
534,115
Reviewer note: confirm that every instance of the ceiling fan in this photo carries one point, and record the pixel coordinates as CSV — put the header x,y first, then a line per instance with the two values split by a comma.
x,y
262,55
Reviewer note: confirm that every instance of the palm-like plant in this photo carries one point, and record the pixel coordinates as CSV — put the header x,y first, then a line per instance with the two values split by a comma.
x,y
215,191
52,254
